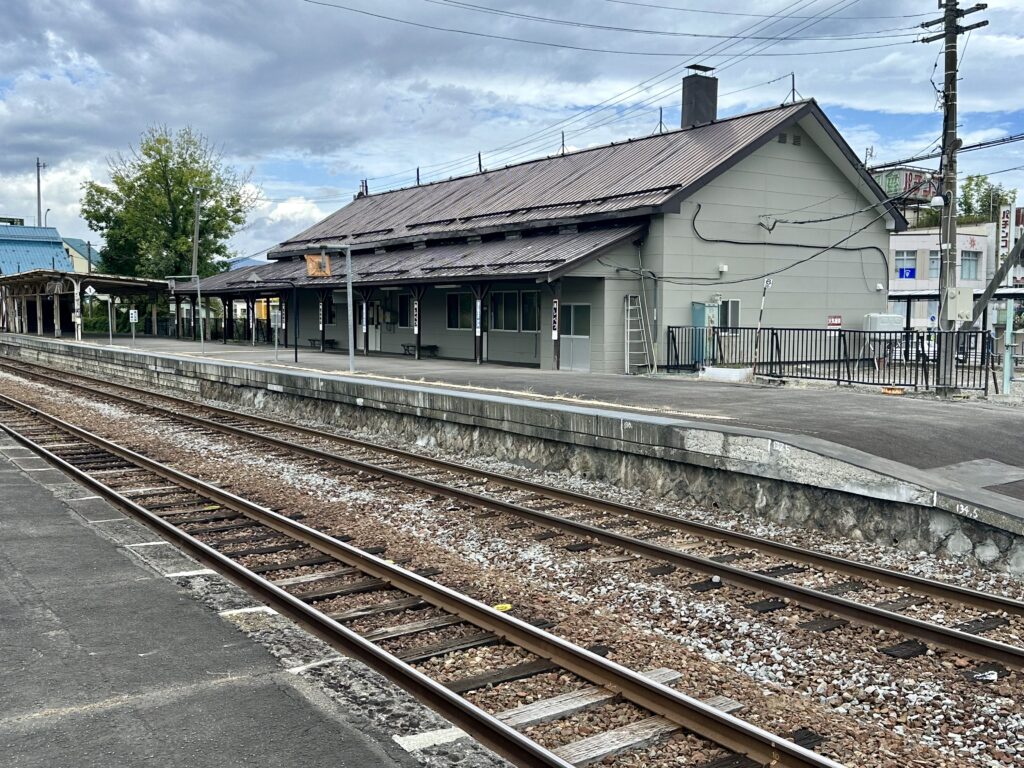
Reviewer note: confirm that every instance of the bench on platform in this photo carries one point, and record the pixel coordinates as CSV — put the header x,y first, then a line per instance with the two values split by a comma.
x,y
328,343
430,350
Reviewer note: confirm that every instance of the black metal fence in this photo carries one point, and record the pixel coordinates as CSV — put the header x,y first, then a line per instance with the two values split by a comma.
x,y
911,358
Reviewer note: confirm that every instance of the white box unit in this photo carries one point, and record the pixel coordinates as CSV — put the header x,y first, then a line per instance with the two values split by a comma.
x,y
876,321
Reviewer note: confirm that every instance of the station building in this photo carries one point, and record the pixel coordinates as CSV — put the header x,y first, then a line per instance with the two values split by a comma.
x,y
583,260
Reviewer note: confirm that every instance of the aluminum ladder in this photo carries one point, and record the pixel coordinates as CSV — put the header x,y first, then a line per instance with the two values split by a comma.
x,y
638,346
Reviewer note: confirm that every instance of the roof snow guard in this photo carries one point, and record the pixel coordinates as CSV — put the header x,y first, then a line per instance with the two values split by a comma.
x,y
632,178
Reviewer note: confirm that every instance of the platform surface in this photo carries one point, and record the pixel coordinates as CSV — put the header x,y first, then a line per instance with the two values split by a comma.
x,y
976,443
105,663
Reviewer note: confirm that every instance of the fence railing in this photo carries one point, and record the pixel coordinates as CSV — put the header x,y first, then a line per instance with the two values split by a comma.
x,y
909,358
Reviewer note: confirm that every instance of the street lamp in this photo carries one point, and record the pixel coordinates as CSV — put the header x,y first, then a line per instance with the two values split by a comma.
x,y
46,216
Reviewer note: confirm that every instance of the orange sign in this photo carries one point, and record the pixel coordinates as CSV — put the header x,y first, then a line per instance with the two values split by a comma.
x,y
318,265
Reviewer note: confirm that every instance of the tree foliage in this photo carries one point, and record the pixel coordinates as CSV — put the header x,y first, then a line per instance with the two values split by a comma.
x,y
146,213
980,199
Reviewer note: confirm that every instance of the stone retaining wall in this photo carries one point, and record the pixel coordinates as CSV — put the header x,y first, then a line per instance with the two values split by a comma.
x,y
699,464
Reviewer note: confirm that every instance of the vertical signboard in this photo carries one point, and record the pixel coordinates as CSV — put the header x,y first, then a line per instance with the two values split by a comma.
x,y
1005,239
477,318
416,316
363,323
554,319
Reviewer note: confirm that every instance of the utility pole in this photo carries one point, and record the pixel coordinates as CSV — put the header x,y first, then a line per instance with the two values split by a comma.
x,y
39,193
950,144
195,272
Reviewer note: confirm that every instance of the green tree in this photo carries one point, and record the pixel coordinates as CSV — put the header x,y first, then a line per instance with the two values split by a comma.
x,y
146,213
980,199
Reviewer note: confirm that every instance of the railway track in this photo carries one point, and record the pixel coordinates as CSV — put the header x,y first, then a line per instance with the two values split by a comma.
x,y
567,512
220,528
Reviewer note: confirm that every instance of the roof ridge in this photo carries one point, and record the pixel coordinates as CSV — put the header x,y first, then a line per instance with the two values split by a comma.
x,y
631,140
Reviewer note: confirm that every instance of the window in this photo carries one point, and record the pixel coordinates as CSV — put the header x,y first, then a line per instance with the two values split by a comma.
x,y
330,313
906,264
574,320
405,311
460,312
898,308
933,263
530,309
505,311
969,264
729,314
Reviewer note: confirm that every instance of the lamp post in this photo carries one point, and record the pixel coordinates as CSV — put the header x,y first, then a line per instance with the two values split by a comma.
x,y
46,216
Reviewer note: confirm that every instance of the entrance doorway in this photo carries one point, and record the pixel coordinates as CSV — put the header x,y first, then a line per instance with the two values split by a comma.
x,y
574,325
372,325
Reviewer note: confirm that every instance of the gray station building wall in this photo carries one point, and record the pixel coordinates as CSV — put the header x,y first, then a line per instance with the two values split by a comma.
x,y
794,182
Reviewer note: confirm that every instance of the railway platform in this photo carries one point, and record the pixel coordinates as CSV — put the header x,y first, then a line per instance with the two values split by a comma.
x,y
105,662
959,458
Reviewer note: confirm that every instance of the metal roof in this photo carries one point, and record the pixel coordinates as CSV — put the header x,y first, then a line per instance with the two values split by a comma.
x,y
932,294
633,176
539,256
25,248
100,281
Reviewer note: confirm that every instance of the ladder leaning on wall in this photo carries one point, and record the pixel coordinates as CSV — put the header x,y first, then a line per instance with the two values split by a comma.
x,y
638,345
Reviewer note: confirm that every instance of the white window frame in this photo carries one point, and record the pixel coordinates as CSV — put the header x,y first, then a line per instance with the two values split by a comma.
x,y
976,258
729,329
934,258
904,256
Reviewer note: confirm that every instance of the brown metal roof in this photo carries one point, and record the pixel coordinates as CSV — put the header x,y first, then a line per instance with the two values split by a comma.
x,y
632,176
527,257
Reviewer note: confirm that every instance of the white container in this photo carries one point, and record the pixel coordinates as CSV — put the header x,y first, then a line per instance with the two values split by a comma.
x,y
876,321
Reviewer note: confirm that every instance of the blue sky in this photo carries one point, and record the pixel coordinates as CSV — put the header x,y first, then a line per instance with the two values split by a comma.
x,y
312,99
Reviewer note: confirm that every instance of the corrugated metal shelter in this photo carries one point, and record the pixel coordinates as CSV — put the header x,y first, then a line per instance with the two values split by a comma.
x,y
582,260
24,248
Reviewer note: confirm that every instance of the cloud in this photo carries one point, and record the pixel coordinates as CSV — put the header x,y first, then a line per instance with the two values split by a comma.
x,y
315,99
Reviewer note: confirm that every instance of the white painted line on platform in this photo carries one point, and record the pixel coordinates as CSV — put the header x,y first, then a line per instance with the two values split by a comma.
x,y
200,572
83,498
315,664
428,738
108,520
250,609
148,544
39,469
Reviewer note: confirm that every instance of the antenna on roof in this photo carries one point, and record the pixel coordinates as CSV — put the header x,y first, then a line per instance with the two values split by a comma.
x,y
480,162
562,150
417,176
661,121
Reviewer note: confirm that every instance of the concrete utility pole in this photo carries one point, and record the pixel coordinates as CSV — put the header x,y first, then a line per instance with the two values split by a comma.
x,y
950,144
195,272
39,193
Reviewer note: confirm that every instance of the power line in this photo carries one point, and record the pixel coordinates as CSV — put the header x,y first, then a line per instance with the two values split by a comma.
x,y
967,148
866,34
751,15
567,46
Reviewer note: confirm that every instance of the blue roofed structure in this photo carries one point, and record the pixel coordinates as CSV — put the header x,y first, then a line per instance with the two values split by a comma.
x,y
26,248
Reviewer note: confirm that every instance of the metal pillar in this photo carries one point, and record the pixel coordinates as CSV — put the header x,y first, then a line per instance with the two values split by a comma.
x,y
479,293
153,315
39,314
177,317
348,294
192,316
24,315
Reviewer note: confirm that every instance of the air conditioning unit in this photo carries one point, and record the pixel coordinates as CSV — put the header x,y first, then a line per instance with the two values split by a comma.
x,y
877,321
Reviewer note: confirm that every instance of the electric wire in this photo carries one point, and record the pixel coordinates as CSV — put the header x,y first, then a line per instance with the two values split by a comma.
x,y
863,35
738,13
568,46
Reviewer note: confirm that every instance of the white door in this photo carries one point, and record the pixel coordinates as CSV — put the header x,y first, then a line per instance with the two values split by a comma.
x,y
372,320
574,325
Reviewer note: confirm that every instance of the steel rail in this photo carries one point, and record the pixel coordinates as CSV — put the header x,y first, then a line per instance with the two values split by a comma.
x,y
482,726
730,732
954,639
930,587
